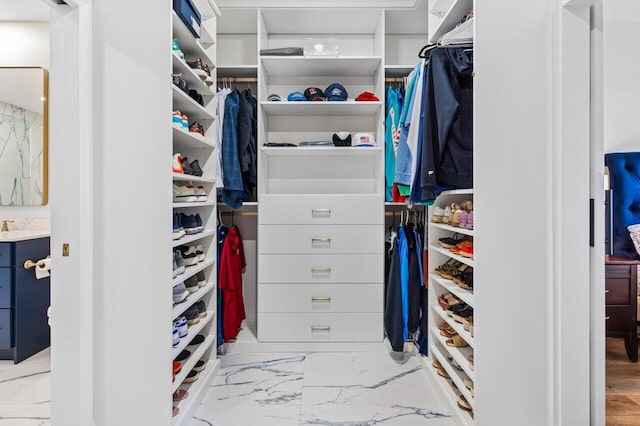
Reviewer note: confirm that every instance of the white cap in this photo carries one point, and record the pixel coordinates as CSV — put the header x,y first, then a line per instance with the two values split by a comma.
x,y
363,139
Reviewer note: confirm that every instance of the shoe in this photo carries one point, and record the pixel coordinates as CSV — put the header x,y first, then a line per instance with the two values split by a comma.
x,y
201,193
195,168
202,281
457,342
175,268
467,252
464,218
191,377
193,316
446,300
456,211
447,214
183,355
462,403
208,80
192,284
201,365
438,215
470,220
471,363
448,243
180,293
198,67
180,83
186,167
177,366
176,119
463,314
177,163
440,369
189,255
181,323
199,224
193,94
176,411
176,336
200,252
189,224
180,394
175,47
199,339
178,231
202,308
179,261
196,127
184,193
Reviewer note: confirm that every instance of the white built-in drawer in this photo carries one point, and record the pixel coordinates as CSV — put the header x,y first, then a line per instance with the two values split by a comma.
x,y
332,298
321,209
320,268
321,239
363,327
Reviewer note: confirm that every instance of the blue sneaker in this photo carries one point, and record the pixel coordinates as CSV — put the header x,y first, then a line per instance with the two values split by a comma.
x,y
176,336
199,224
189,224
181,324
178,230
175,47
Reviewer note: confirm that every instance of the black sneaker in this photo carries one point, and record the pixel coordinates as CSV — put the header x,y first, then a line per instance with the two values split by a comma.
x,y
202,280
183,355
189,254
200,366
201,306
196,96
193,315
192,285
195,168
199,339
186,167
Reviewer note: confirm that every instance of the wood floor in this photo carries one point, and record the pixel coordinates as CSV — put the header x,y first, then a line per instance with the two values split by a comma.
x,y
623,386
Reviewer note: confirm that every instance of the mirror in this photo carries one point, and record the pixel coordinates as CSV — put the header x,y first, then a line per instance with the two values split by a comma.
x,y
23,136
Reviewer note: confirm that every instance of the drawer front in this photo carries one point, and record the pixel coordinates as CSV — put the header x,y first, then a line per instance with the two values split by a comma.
x,y
5,287
331,298
5,328
321,239
620,319
618,271
366,327
617,291
321,268
5,254
321,210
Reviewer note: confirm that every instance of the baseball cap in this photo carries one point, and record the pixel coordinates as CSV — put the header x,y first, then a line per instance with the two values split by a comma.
x,y
342,139
314,94
336,92
296,96
274,98
367,96
363,139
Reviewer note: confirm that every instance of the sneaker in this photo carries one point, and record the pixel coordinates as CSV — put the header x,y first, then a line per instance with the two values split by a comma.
x,y
180,394
176,120
196,127
201,365
199,224
201,193
175,47
193,315
181,323
202,308
185,122
202,281
178,230
184,193
191,377
175,268
197,67
195,168
189,224
183,355
176,336
177,163
192,284
208,80
200,252
180,293
186,167
189,255
199,339
438,214
179,262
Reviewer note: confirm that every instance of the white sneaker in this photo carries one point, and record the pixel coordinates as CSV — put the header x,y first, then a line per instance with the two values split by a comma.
x,y
200,193
200,252
184,193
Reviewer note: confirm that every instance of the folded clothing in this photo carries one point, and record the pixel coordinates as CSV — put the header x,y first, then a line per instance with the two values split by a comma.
x,y
273,144
283,51
316,143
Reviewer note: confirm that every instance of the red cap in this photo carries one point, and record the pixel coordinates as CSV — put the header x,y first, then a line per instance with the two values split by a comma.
x,y
367,96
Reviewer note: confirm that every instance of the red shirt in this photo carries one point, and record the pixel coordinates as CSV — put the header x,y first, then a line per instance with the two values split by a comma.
x,y
232,262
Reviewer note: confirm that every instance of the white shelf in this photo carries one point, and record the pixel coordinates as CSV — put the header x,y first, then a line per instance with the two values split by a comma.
x,y
193,110
189,45
459,354
448,391
346,66
192,178
399,70
196,391
194,81
452,228
181,308
321,108
468,191
247,206
192,270
465,295
186,139
455,325
237,71
322,151
191,362
447,252
450,18
320,21
194,204
191,238
194,330
456,375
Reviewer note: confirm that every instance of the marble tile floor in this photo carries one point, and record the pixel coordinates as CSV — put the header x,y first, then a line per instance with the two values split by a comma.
x,y
25,391
330,389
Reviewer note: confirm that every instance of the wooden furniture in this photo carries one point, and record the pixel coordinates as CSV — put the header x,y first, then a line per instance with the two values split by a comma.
x,y
622,302
24,300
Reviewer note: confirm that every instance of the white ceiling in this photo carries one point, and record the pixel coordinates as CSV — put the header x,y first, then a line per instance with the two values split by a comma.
x,y
23,10
22,87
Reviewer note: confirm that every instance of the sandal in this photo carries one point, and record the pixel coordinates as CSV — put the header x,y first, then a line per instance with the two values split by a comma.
x,y
447,215
455,218
448,333
467,323
438,215
464,219
441,372
439,270
465,279
462,403
448,242
447,300
459,316
470,220
471,364
457,342
467,252
447,271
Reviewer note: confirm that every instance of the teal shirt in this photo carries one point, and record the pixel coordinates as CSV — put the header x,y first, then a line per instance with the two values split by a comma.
x,y
392,137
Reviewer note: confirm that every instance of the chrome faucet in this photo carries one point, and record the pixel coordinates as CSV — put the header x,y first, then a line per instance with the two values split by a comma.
x,y
5,225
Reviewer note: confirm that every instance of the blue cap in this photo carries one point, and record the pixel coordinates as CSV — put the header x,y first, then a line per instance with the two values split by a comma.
x,y
296,96
336,92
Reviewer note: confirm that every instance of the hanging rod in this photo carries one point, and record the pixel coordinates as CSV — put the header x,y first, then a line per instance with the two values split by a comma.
x,y
234,213
238,79
395,79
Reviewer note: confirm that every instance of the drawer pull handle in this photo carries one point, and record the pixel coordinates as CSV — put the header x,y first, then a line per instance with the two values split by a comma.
x,y
320,328
607,318
321,240
321,299
606,291
325,212
319,270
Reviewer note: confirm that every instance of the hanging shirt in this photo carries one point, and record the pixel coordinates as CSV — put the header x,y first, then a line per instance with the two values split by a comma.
x,y
221,234
233,187
392,138
232,262
247,150
219,103
403,252
416,187
393,319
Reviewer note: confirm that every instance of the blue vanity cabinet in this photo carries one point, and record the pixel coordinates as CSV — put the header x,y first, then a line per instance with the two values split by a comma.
x,y
23,300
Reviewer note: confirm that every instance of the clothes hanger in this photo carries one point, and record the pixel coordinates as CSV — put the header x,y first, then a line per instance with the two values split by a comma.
x,y
425,51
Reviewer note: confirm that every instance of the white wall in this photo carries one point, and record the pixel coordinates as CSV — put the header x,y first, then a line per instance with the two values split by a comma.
x,y
24,44
621,82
